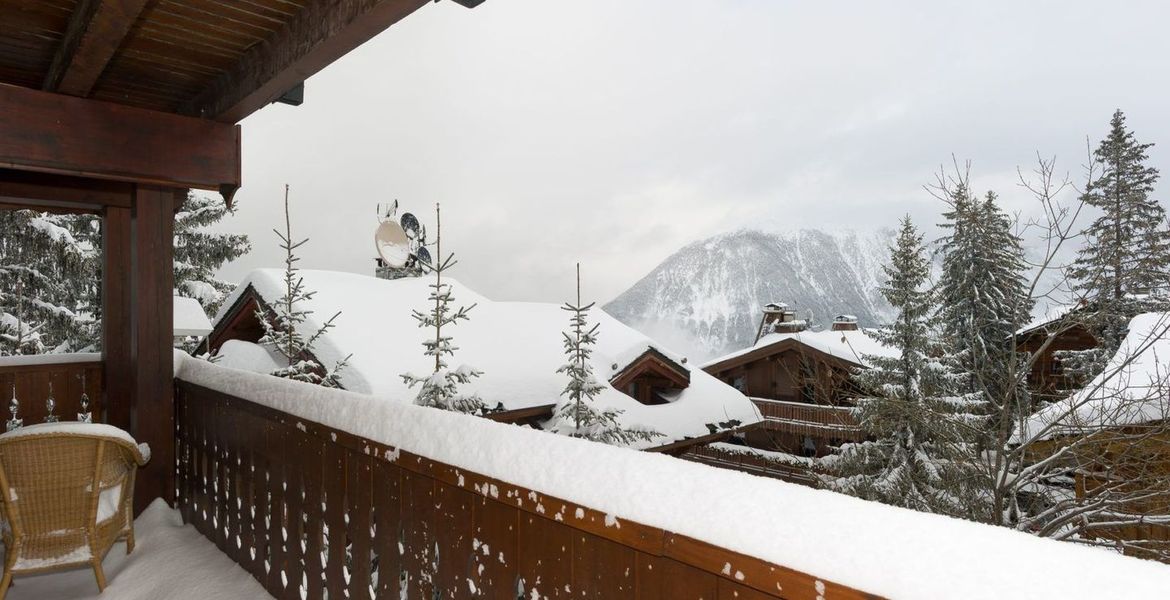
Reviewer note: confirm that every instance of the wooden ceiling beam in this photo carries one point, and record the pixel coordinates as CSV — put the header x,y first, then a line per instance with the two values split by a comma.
x,y
322,32
58,193
53,133
95,32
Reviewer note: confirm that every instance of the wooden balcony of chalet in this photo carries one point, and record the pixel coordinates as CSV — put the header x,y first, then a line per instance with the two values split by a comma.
x,y
817,420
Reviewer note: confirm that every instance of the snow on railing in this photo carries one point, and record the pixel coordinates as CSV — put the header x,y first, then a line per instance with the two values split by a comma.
x,y
756,529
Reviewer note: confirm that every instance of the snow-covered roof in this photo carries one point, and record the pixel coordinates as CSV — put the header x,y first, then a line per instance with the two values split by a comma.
x,y
189,318
852,345
1051,314
1132,389
517,345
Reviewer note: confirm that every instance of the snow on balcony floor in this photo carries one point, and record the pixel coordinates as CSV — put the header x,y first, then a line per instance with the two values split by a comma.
x,y
170,561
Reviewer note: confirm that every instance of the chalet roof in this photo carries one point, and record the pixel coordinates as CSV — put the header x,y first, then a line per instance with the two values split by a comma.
x,y
1134,388
517,345
189,318
851,346
206,58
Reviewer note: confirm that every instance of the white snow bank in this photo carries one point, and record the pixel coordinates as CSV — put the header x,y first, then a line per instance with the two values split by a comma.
x,y
50,359
189,318
517,345
853,345
879,549
247,356
170,561
1134,387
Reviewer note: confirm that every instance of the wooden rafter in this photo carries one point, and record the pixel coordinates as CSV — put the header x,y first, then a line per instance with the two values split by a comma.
x,y
96,30
322,32
53,133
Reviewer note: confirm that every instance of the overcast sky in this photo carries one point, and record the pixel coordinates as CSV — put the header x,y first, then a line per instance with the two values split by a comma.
x,y
614,132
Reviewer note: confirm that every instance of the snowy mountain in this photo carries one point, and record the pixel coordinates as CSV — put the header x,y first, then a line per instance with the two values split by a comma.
x,y
705,299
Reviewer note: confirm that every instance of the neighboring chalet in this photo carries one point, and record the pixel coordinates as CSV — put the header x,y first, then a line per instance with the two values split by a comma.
x,y
517,345
1059,330
800,381
1114,433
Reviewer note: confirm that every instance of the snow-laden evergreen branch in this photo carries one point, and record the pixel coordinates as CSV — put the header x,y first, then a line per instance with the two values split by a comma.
x,y
440,388
283,321
576,415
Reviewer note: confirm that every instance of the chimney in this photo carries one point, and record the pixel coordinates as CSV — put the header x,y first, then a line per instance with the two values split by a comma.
x,y
779,318
845,323
788,322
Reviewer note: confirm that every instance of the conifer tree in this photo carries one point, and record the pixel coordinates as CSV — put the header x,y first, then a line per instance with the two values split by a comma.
x,y
283,322
200,252
576,415
46,284
440,388
1127,250
922,428
983,299
1123,267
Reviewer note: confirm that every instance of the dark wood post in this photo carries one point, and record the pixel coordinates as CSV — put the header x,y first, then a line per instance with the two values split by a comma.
x,y
152,418
116,334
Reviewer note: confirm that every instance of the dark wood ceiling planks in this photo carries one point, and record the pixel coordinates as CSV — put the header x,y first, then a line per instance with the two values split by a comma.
x,y
218,59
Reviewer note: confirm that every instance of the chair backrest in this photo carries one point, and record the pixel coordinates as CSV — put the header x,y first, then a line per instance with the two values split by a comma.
x,y
51,481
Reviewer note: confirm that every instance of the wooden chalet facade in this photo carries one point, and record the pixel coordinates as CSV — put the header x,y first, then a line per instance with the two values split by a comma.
x,y
1047,377
651,377
802,384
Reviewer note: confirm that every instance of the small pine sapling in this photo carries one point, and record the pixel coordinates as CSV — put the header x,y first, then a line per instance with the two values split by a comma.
x,y
576,416
282,322
440,388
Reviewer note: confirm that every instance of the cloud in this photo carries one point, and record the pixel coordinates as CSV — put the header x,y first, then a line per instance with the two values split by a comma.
x,y
616,132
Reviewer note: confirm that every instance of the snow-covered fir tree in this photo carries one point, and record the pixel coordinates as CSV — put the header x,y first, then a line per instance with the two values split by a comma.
x,y
200,252
440,388
576,415
983,298
1127,249
922,428
1123,266
48,283
283,321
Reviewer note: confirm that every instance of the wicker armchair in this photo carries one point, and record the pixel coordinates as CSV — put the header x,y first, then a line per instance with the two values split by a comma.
x,y
67,491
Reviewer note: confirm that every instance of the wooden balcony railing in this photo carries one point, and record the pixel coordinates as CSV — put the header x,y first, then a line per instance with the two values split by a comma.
x,y
313,511
810,419
31,378
752,461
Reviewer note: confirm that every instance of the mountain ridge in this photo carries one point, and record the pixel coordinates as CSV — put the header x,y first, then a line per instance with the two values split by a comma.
x,y
705,299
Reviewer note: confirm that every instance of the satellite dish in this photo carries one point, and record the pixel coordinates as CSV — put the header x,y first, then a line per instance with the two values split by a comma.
x,y
410,225
423,255
392,244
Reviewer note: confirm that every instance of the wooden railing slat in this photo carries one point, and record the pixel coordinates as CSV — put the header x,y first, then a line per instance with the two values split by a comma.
x,y
335,465
274,434
454,536
418,540
294,570
387,499
359,498
546,557
495,548
311,454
